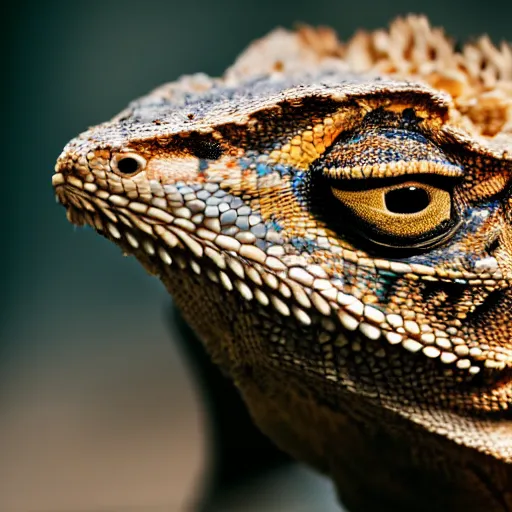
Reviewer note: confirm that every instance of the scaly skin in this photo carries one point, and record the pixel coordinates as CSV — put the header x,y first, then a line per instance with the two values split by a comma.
x,y
335,221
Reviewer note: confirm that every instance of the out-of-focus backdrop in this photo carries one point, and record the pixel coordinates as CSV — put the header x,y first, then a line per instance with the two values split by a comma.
x,y
98,410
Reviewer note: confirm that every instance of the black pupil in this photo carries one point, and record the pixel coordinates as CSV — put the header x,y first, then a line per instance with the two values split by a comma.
x,y
407,200
127,165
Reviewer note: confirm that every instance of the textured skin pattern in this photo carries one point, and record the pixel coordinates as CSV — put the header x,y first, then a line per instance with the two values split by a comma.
x,y
335,221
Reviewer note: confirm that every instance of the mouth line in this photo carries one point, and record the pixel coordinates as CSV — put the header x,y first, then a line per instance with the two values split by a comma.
x,y
88,197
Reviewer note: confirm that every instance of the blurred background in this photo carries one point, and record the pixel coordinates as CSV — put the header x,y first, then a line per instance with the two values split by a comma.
x,y
99,407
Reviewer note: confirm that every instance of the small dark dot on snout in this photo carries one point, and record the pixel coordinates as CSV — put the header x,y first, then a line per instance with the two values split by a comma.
x,y
128,165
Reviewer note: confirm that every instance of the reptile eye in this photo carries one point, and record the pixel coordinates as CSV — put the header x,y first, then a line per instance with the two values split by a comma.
x,y
128,163
404,211
409,199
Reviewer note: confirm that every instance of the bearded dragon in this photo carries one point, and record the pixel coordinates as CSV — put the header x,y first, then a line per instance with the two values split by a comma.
x,y
335,222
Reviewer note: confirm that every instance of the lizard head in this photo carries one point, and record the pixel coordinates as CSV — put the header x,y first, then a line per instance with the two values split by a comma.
x,y
353,228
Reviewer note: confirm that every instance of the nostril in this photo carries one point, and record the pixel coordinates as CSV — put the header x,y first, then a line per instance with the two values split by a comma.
x,y
127,164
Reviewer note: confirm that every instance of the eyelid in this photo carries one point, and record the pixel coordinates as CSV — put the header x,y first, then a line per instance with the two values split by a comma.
x,y
394,170
382,151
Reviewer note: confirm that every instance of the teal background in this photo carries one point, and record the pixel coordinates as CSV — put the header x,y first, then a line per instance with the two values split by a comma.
x,y
97,409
